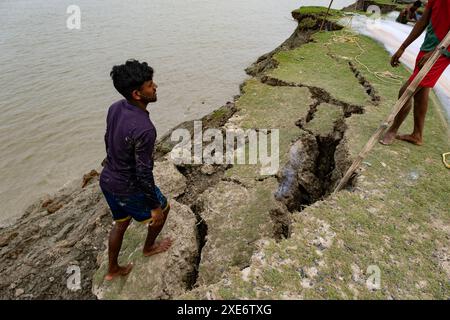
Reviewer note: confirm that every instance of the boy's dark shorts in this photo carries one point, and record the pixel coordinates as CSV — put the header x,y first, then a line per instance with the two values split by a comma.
x,y
134,206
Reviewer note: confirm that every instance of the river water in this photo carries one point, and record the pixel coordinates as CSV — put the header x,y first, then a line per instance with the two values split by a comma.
x,y
55,87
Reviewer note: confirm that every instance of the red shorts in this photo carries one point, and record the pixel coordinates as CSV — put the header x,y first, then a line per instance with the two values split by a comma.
x,y
435,72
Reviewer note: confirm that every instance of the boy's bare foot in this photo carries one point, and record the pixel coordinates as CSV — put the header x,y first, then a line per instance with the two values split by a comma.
x,y
158,247
410,138
388,138
122,271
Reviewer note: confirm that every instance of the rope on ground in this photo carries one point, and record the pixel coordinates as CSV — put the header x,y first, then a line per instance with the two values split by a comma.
x,y
347,36
444,159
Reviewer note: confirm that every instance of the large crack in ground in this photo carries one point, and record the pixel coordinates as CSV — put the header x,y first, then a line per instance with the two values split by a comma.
x,y
199,178
310,174
318,94
368,87
202,232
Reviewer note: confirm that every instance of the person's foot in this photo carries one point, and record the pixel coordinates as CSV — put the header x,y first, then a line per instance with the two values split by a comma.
x,y
121,271
388,138
410,138
158,247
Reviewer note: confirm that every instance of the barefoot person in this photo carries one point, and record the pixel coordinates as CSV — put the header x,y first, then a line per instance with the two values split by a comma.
x,y
127,179
436,20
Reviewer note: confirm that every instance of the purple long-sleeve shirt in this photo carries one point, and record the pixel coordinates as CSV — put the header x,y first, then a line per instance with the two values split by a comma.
x,y
130,138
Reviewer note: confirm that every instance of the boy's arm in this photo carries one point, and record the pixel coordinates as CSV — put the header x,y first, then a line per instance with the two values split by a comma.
x,y
419,27
144,145
106,142
106,147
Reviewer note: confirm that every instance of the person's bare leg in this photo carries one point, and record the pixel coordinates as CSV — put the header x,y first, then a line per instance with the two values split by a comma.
x,y
151,247
420,111
390,134
114,245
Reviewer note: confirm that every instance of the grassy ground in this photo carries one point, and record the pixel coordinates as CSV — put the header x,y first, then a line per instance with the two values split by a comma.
x,y
318,10
397,220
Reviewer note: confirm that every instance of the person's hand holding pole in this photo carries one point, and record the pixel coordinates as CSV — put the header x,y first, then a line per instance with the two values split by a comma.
x,y
424,59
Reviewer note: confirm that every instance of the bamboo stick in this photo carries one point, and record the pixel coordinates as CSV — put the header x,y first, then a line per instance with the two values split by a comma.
x,y
397,107
326,15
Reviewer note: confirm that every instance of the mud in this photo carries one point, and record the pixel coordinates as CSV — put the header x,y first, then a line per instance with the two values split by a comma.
x,y
36,251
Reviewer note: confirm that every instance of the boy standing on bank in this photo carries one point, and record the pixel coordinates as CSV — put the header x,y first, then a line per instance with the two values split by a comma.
x,y
127,177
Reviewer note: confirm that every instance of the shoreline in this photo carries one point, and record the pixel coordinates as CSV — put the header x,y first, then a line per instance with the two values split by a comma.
x,y
195,189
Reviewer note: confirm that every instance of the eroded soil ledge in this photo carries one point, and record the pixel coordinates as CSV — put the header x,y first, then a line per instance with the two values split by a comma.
x,y
242,235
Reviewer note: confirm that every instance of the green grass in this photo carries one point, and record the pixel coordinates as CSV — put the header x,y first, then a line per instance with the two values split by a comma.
x,y
315,10
268,107
312,65
324,119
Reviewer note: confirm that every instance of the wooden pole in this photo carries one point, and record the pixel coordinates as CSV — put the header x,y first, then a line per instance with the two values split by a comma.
x,y
326,15
408,94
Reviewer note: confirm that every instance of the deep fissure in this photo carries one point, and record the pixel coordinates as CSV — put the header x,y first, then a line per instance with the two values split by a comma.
x,y
318,94
368,87
202,232
310,175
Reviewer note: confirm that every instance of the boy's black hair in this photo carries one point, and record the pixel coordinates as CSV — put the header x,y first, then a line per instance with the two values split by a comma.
x,y
130,76
418,4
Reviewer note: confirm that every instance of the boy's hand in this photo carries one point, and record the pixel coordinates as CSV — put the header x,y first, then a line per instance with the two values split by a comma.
x,y
396,57
424,59
157,217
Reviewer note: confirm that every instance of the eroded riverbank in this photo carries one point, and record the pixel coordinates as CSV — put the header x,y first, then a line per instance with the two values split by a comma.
x,y
240,235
